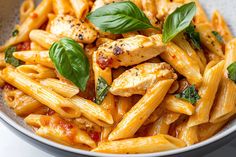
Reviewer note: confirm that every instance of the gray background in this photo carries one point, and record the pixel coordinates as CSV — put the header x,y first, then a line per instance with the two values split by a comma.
x,y
11,145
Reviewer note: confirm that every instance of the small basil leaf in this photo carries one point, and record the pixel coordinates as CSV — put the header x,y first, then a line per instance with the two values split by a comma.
x,y
9,58
177,21
70,61
15,32
193,37
218,37
101,90
232,72
120,17
190,94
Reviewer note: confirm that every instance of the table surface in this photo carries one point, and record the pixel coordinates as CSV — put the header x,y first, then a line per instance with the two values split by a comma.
x,y
13,146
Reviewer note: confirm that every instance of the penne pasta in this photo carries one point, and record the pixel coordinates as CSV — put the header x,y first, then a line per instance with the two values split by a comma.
x,y
220,25
34,21
207,92
61,87
54,128
177,105
36,47
45,96
226,97
140,145
27,7
136,116
36,71
35,57
62,7
81,8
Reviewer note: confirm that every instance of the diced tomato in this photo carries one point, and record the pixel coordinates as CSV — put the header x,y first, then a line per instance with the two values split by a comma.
x,y
24,46
94,135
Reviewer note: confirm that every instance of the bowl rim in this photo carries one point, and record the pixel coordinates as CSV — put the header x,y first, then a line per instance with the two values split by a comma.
x,y
45,141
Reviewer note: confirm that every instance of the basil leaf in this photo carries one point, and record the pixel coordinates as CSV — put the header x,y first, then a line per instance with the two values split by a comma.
x,y
190,94
70,61
15,32
193,36
120,17
177,21
218,37
232,72
101,90
9,58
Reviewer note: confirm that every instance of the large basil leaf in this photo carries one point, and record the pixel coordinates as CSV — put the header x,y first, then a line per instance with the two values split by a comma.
x,y
178,21
101,90
190,94
232,72
9,58
70,61
120,17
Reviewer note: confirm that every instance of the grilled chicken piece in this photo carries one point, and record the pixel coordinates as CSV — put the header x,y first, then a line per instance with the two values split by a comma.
x,y
128,51
138,79
68,26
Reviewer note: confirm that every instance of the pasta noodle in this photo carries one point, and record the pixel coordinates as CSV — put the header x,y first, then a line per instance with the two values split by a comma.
x,y
101,81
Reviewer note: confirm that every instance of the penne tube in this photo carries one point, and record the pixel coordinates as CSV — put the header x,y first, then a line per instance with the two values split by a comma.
x,y
226,97
123,106
27,7
43,38
184,44
201,16
219,24
35,57
61,87
140,145
156,114
36,71
51,17
139,113
188,134
56,129
207,130
34,21
62,7
177,105
44,95
35,47
207,92
81,8
108,103
92,111
161,126
21,103
181,62
208,39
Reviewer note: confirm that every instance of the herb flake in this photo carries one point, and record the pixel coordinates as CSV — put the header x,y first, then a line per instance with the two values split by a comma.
x,y
9,58
15,32
218,37
232,72
193,37
101,90
190,94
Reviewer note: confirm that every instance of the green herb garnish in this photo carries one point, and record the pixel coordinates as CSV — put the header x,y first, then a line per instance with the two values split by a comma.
x,y
101,90
120,17
178,21
218,37
15,32
193,37
9,58
232,72
190,94
70,61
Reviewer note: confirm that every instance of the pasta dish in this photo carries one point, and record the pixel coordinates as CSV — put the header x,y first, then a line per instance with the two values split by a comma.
x,y
120,77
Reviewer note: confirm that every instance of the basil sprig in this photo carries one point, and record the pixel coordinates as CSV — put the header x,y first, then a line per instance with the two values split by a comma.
x,y
232,72
193,37
101,90
9,58
70,61
190,94
120,17
178,21
218,37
